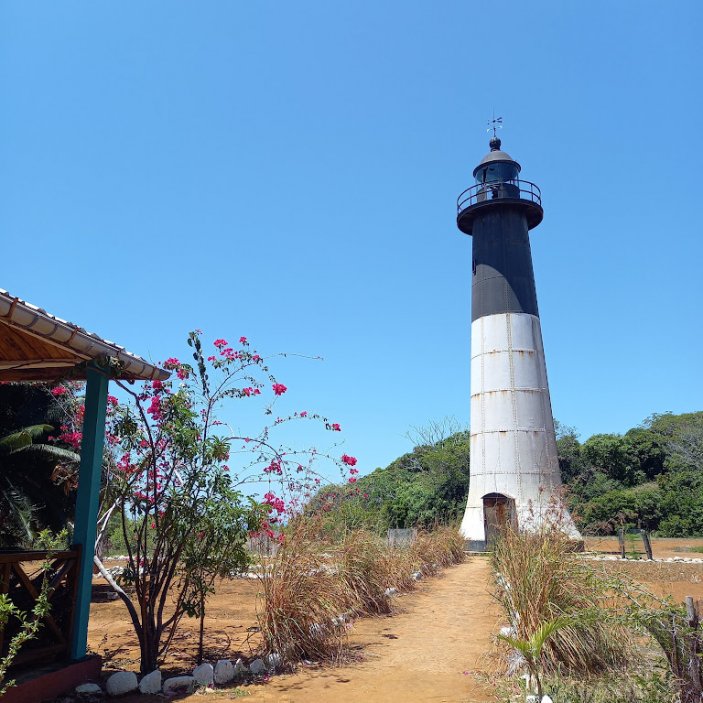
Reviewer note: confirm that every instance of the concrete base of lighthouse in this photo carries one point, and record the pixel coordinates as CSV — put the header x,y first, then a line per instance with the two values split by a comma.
x,y
514,465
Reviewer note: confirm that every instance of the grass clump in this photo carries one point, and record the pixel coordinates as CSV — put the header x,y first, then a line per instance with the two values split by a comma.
x,y
435,550
302,599
366,572
540,579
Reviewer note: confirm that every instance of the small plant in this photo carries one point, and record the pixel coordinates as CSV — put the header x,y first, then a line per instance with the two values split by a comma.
x,y
531,649
29,625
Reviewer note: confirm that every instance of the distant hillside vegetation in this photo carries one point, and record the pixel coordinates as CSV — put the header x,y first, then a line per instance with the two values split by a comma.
x,y
651,477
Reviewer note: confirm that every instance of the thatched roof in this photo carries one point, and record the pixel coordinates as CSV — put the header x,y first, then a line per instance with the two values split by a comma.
x,y
38,346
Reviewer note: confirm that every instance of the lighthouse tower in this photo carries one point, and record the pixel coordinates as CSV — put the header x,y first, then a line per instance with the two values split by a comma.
x,y
514,467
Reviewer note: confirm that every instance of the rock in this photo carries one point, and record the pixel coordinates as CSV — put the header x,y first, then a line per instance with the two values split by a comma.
x,y
274,661
531,698
257,667
391,592
224,671
179,684
547,699
240,668
204,674
507,631
88,688
120,683
151,683
416,575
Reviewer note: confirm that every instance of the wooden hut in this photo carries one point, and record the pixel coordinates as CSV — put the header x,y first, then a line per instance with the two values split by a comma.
x,y
38,346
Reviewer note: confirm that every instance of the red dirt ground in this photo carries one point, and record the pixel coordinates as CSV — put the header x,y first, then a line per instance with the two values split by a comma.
x,y
439,646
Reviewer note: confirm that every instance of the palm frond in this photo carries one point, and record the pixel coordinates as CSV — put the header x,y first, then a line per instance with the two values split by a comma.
x,y
48,451
17,441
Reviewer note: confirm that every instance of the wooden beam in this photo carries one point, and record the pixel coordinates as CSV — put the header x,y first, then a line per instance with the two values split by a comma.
x,y
86,517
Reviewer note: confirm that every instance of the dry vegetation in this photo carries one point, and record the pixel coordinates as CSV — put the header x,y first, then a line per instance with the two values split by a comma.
x,y
539,580
622,642
313,588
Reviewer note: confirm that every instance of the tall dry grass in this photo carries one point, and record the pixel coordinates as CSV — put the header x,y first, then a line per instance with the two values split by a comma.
x,y
312,587
435,550
539,578
302,599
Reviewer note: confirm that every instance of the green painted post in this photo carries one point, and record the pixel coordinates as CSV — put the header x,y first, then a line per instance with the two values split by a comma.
x,y
86,518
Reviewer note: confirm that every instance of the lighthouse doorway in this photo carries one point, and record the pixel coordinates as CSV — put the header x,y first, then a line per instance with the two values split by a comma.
x,y
498,513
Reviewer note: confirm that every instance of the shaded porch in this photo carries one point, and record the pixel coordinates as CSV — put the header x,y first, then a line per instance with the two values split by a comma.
x,y
38,346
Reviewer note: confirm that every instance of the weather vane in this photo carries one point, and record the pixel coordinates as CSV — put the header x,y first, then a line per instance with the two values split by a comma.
x,y
495,124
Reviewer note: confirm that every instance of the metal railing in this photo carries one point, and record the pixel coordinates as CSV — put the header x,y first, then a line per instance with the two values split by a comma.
x,y
495,190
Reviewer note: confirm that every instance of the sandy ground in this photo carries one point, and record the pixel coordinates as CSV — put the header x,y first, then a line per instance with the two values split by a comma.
x,y
662,547
439,646
434,649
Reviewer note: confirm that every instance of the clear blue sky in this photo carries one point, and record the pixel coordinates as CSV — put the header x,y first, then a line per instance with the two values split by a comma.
x,y
289,172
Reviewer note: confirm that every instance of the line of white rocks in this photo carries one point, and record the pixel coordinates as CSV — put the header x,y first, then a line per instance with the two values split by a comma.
x,y
203,676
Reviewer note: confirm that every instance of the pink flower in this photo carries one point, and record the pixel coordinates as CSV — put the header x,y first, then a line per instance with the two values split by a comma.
x,y
352,479
219,343
182,373
157,385
353,471
57,391
112,400
279,388
303,413
243,340
349,460
335,427
247,391
171,363
256,358
155,408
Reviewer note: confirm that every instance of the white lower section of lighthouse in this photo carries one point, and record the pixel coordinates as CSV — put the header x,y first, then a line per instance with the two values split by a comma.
x,y
514,465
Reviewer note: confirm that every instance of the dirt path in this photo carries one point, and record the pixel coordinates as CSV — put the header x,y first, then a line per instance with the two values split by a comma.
x,y
429,652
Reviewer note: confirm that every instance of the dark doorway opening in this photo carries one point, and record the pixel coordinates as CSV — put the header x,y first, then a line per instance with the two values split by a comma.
x,y
498,513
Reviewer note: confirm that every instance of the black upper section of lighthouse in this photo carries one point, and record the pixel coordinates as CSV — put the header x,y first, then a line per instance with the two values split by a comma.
x,y
498,212
497,179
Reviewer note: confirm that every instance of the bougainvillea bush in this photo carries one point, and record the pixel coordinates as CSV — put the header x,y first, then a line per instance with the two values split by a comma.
x,y
176,477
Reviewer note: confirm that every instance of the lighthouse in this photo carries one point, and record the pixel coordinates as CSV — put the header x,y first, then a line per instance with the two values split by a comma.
x,y
514,466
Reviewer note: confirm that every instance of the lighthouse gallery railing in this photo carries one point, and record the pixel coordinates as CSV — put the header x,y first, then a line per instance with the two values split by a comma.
x,y
496,190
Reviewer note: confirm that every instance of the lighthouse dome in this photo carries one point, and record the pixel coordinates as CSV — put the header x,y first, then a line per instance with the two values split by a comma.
x,y
496,165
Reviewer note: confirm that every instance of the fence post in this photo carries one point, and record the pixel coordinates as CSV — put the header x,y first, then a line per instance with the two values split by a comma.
x,y
647,544
621,541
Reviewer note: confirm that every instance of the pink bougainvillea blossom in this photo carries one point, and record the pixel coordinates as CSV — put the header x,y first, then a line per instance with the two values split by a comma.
x,y
243,340
349,460
171,363
220,343
182,373
58,391
335,427
279,388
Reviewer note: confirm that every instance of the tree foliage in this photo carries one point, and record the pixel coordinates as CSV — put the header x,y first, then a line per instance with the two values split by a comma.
x,y
651,477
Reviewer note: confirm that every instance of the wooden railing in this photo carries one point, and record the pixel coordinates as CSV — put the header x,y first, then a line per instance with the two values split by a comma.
x,y
21,577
